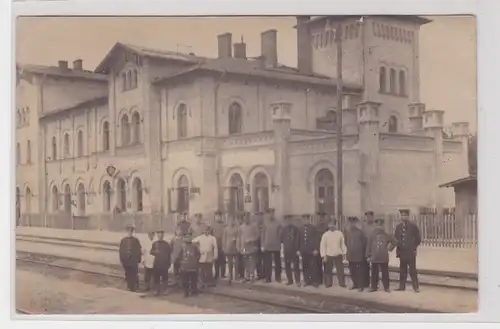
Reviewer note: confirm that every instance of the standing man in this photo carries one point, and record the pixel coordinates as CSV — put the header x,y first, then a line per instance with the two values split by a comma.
x,y
408,237
322,227
356,249
130,257
148,260
271,247
188,259
183,224
176,244
290,236
333,250
241,263
309,249
198,228
368,227
249,246
229,247
259,221
162,252
208,254
218,231
377,250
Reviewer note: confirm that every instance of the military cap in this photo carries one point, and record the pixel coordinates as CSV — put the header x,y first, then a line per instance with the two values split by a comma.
x,y
404,212
130,227
369,213
332,223
353,219
379,221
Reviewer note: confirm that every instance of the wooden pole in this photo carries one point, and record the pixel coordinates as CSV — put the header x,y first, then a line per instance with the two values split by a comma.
x,y
338,39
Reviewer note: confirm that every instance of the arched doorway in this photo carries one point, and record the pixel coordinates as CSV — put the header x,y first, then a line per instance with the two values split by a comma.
x,y
55,199
67,199
121,201
137,195
236,198
325,192
106,196
260,192
81,199
183,194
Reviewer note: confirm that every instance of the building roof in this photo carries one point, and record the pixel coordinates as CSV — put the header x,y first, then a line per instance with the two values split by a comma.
x,y
417,19
461,181
85,104
56,71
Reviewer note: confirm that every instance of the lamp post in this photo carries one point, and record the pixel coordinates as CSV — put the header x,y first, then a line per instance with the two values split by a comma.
x,y
338,42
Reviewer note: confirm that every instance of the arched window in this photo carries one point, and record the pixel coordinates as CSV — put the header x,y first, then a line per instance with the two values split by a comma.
x,y
106,194
331,120
18,154
183,194
105,136
137,194
28,151
260,192
125,130
235,119
54,148
79,143
393,124
121,201
402,83
236,198
392,81
66,145
27,198
182,121
124,81
324,192
382,78
67,199
55,199
136,128
134,79
81,199
129,80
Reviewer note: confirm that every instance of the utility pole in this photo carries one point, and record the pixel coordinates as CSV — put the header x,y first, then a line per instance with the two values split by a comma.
x,y
338,41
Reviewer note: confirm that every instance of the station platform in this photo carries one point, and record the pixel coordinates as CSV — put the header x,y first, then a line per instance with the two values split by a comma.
x,y
433,259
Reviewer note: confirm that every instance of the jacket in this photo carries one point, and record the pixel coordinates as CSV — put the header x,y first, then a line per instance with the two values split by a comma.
x,y
207,244
408,237
229,240
189,258
218,232
309,239
270,236
162,252
332,244
147,258
130,251
378,246
367,229
248,242
290,237
356,245
185,226
176,244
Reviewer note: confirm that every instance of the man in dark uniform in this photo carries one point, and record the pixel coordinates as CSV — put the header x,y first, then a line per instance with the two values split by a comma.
x,y
322,227
356,249
241,263
259,217
130,257
309,251
183,224
271,247
162,252
368,227
290,236
408,237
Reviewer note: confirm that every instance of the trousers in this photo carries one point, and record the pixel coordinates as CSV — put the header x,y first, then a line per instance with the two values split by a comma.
x,y
220,265
366,273
206,274
259,264
232,265
132,276
291,259
384,268
189,281
310,269
161,279
241,266
250,262
332,261
405,266
269,257
357,274
148,274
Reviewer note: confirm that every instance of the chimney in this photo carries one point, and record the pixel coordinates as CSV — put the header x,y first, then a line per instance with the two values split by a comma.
x,y
304,46
225,45
78,65
63,65
268,47
240,50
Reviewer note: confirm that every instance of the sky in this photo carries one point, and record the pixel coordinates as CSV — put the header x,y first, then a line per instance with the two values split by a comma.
x,y
447,47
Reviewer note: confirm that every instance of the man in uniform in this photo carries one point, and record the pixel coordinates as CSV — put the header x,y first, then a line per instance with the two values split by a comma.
x,y
130,257
183,224
241,262
309,251
162,252
271,247
408,236
218,231
188,259
377,251
356,249
368,227
259,218
290,236
249,246
229,247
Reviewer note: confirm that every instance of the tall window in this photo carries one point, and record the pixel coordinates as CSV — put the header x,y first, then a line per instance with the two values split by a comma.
x,y
393,124
105,136
18,154
67,199
236,198
79,142
402,83
129,80
182,121
324,191
134,79
106,192
382,78
183,194
136,128
55,199
260,192
81,199
66,145
121,201
235,119
137,194
54,148
124,81
28,151
392,81
125,130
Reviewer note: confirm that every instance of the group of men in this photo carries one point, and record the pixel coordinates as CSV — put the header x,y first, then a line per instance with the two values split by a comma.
x,y
251,248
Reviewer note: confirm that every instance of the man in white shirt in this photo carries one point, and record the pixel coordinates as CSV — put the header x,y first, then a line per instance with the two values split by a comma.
x,y
148,259
332,250
208,254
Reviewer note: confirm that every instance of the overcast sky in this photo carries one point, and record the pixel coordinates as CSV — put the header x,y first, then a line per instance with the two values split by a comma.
x,y
447,47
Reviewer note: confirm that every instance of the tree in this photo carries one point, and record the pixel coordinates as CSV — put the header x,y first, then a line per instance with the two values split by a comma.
x,y
472,156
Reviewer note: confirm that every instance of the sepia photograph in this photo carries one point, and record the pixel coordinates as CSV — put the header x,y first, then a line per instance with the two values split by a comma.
x,y
245,165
